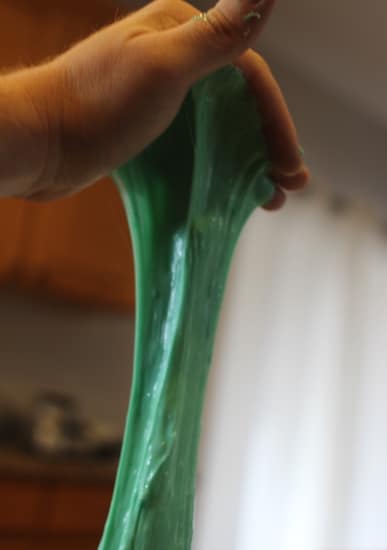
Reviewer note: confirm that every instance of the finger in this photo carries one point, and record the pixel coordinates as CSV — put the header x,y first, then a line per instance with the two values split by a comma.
x,y
276,202
293,182
278,126
201,46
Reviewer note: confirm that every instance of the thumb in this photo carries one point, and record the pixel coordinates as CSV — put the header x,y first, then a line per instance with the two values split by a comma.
x,y
215,39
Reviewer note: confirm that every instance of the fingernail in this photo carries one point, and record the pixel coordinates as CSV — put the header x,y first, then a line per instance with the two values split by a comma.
x,y
250,21
250,14
254,16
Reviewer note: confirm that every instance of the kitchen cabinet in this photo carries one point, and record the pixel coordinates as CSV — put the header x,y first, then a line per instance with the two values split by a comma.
x,y
11,227
77,249
53,505
56,515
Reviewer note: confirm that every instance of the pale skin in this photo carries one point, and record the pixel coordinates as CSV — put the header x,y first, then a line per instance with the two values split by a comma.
x,y
73,119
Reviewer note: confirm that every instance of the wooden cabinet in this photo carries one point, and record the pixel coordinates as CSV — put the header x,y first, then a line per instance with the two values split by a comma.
x,y
80,248
79,509
53,505
77,248
11,229
52,515
21,506
64,542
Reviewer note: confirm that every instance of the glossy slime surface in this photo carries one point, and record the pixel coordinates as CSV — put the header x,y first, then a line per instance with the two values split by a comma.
x,y
187,198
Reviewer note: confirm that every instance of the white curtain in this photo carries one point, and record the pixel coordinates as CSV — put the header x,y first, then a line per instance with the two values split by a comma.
x,y
294,449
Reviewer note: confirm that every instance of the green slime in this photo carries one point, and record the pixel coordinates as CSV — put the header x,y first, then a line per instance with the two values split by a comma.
x,y
187,198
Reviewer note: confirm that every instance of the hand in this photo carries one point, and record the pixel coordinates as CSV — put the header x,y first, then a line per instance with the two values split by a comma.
x,y
107,98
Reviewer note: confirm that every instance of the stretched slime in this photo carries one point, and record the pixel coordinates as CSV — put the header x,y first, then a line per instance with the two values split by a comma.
x,y
187,198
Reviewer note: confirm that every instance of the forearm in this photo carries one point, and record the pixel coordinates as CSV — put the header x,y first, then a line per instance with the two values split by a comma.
x,y
24,131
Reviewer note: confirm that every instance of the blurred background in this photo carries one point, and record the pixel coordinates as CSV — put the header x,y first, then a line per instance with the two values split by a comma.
x,y
66,327
294,441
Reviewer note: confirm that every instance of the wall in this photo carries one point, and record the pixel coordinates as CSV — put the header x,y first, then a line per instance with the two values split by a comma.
x,y
85,353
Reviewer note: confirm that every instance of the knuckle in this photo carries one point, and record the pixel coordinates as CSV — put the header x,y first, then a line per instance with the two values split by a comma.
x,y
171,6
225,30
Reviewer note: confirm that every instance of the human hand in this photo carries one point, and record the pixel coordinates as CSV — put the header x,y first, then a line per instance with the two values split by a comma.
x,y
103,101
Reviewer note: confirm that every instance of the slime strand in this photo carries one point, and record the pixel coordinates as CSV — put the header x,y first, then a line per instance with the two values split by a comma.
x,y
187,198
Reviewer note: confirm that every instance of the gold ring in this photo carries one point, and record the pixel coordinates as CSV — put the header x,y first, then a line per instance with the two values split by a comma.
x,y
202,16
